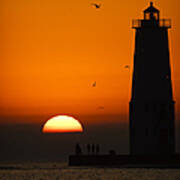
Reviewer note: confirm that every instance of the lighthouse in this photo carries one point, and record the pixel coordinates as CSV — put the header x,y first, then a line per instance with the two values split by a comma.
x,y
151,107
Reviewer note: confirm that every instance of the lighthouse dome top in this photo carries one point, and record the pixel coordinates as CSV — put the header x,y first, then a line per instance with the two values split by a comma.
x,y
151,8
151,13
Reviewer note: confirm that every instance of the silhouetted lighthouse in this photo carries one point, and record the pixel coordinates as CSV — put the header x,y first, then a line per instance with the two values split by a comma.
x,y
151,110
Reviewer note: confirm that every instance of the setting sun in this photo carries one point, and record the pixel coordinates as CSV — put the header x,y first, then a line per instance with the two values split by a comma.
x,y
62,124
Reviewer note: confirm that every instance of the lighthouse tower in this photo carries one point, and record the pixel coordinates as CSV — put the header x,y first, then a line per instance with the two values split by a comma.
x,y
151,108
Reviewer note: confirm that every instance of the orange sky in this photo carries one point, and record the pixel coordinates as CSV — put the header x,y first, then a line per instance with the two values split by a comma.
x,y
52,51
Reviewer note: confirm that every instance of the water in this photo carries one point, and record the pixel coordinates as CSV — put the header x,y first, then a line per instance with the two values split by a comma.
x,y
60,171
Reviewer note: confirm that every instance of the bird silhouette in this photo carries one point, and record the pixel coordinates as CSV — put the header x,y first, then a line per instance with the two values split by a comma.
x,y
94,84
127,66
97,6
101,107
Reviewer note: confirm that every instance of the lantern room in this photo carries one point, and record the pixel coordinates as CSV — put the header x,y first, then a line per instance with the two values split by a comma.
x,y
151,19
151,13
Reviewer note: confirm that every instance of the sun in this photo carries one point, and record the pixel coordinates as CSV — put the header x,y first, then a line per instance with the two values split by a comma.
x,y
62,124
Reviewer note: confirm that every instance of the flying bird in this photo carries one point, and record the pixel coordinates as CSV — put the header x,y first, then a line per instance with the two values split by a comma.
x,y
127,66
94,84
97,6
101,107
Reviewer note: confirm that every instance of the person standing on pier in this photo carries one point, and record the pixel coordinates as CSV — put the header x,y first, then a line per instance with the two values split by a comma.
x,y
88,148
78,150
97,149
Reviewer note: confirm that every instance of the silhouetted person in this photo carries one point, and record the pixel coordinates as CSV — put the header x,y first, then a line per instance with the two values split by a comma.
x,y
78,149
88,148
97,148
93,148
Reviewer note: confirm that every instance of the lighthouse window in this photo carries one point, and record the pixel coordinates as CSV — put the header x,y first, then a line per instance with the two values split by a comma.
x,y
155,16
152,16
147,16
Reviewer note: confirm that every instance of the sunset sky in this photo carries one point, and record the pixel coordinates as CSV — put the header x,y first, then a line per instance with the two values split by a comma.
x,y
51,52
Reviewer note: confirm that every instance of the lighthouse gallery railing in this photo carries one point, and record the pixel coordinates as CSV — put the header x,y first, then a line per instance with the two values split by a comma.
x,y
162,23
